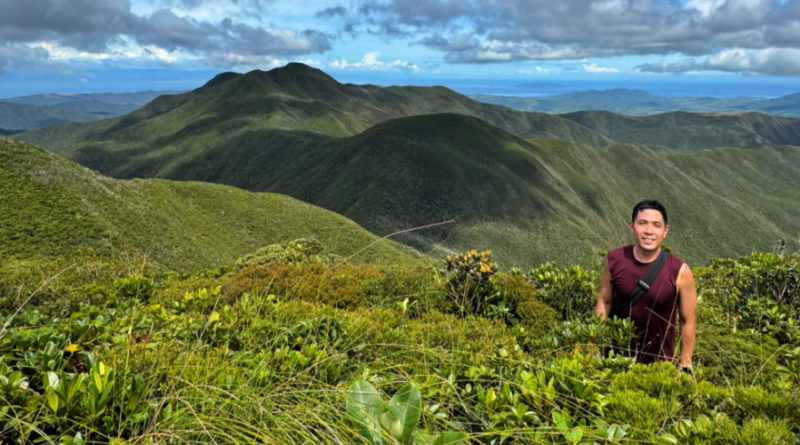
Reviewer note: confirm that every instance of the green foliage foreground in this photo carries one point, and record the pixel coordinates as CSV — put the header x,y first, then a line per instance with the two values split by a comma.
x,y
93,351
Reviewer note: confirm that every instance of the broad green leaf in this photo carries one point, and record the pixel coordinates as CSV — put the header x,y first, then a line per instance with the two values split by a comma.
x,y
392,425
668,439
364,406
98,380
574,435
213,317
450,438
52,400
562,421
491,397
404,409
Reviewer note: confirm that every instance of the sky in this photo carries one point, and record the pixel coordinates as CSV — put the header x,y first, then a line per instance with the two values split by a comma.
x,y
134,45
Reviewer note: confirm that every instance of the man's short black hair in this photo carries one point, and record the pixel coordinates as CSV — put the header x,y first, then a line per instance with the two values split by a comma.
x,y
649,204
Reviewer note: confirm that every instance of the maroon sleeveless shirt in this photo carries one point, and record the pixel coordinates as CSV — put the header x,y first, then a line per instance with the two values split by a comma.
x,y
655,314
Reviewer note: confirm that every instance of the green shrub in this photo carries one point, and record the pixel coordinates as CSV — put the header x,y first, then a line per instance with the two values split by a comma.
x,y
295,251
537,317
645,414
757,402
519,297
135,286
572,292
660,380
736,356
469,285
752,432
758,291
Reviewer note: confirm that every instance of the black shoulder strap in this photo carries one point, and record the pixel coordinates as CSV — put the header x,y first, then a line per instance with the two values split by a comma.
x,y
642,286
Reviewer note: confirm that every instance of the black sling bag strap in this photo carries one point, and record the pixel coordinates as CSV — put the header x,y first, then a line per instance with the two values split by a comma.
x,y
642,286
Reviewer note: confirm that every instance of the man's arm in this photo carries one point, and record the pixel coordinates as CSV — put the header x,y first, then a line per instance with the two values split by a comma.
x,y
604,294
687,294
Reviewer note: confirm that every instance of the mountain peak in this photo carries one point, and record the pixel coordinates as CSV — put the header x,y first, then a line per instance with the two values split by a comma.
x,y
296,79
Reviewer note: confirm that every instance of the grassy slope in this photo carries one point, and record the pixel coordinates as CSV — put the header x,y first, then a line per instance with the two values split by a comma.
x,y
536,200
689,131
51,206
528,201
722,202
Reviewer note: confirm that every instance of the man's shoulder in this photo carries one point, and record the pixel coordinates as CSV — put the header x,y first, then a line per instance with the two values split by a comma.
x,y
675,261
621,252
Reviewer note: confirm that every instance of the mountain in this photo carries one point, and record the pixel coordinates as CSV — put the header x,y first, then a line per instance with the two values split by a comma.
x,y
530,196
782,106
692,131
295,100
52,206
641,103
28,112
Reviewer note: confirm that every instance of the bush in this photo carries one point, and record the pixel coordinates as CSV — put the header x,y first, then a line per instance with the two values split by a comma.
x,y
644,413
295,251
523,306
572,292
758,291
469,285
757,402
135,286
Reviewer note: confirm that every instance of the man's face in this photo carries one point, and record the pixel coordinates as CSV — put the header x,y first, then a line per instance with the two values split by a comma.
x,y
649,229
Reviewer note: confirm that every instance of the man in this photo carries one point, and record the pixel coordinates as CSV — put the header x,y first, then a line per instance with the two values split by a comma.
x,y
672,293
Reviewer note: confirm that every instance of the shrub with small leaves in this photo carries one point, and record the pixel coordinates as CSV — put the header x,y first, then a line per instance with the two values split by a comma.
x,y
135,286
295,251
469,286
572,291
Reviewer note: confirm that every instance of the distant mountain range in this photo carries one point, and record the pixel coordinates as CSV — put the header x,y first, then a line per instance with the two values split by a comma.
x,y
531,186
28,112
641,103
52,206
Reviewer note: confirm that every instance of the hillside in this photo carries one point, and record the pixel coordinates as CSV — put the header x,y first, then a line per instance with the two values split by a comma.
x,y
51,206
641,103
528,200
692,131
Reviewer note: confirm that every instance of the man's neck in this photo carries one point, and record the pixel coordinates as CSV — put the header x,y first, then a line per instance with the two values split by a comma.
x,y
645,256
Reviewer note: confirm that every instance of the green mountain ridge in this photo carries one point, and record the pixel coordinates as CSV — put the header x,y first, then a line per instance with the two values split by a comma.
x,y
52,206
641,103
691,131
241,107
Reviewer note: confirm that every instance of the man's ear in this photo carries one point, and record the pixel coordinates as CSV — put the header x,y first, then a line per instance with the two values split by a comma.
x,y
666,230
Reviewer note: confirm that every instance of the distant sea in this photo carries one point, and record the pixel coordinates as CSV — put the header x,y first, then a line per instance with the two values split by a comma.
x,y
675,86
130,80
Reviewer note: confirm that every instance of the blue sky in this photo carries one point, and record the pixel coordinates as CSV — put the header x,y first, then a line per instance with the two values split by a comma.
x,y
122,45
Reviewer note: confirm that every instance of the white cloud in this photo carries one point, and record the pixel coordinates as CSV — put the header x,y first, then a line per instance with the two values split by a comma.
x,y
535,70
371,62
594,68
770,61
